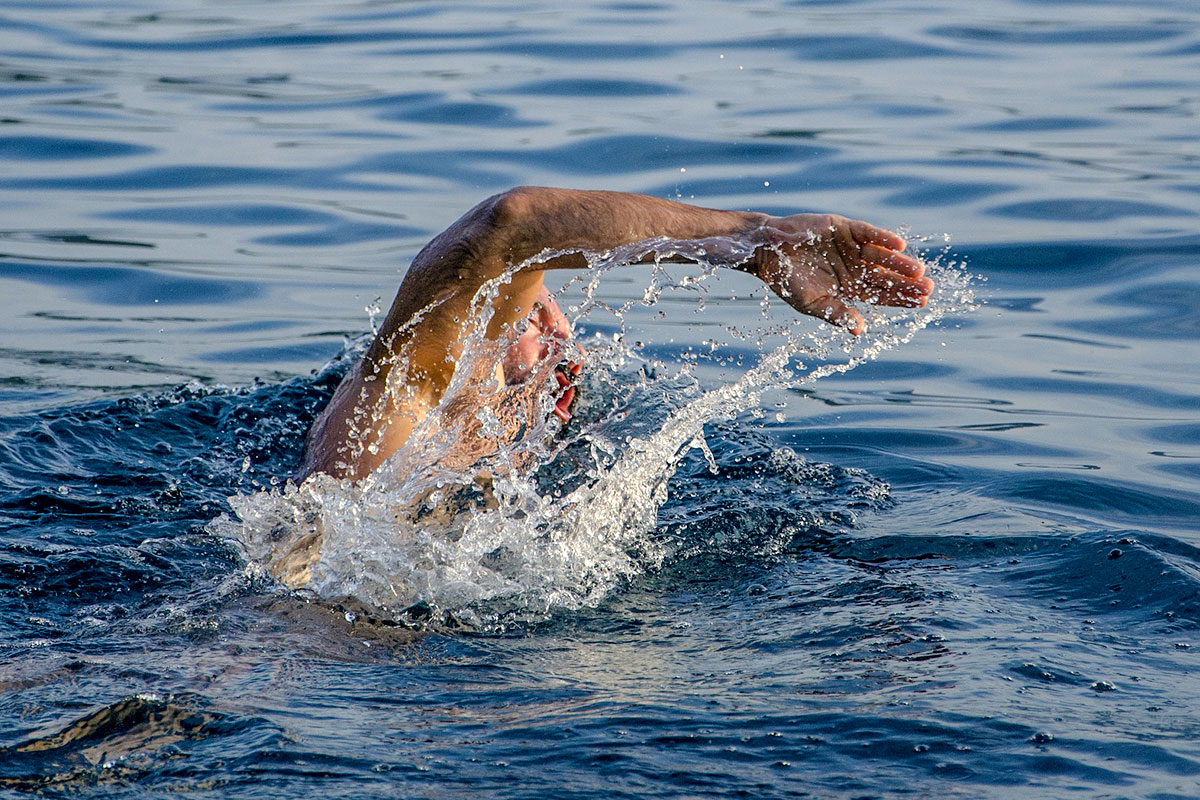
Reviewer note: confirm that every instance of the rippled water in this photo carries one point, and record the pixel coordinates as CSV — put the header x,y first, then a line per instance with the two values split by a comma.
x,y
967,568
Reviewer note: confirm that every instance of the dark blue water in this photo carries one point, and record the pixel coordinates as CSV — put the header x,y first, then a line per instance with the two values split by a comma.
x,y
969,568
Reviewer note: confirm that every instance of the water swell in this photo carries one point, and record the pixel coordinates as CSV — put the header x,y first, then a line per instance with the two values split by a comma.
x,y
102,505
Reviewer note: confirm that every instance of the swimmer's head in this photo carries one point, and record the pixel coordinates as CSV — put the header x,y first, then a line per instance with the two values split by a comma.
x,y
544,340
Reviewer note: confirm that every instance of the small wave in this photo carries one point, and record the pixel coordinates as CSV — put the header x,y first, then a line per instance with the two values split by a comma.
x,y
121,742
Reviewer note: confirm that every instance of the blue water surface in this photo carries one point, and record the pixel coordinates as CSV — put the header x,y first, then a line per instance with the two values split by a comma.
x,y
973,572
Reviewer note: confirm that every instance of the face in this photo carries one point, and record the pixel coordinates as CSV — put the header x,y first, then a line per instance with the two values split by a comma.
x,y
546,336
511,389
544,341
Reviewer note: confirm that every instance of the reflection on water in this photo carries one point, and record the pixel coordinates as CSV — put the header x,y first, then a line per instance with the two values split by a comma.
x,y
966,568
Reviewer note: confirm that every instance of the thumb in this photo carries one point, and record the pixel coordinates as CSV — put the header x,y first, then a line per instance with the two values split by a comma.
x,y
836,311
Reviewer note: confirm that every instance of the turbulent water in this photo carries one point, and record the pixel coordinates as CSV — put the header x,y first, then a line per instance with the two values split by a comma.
x,y
968,566
569,515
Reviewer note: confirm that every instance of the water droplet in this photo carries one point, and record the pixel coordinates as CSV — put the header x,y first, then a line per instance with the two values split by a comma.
x,y
514,543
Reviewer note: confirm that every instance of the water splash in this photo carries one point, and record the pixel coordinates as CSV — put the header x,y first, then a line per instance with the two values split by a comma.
x,y
556,519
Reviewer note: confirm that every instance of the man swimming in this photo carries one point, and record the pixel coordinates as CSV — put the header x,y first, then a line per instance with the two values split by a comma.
x,y
819,264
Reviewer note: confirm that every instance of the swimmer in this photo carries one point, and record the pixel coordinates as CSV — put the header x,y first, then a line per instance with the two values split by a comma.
x,y
820,264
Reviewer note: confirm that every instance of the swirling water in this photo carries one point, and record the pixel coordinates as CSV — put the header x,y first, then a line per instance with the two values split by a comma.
x,y
967,567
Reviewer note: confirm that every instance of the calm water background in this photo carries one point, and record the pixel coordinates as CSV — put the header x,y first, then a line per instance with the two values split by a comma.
x,y
981,580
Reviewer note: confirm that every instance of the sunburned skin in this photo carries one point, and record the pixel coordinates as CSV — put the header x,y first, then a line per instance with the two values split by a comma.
x,y
544,339
820,264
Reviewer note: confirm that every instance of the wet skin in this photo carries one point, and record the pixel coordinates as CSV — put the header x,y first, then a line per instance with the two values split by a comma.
x,y
545,338
820,264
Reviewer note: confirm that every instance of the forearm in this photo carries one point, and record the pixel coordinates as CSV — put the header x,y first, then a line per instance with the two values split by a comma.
x,y
534,219
819,264
510,228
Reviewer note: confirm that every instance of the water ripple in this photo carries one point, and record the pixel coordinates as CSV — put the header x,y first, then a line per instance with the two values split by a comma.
x,y
49,148
967,568
113,285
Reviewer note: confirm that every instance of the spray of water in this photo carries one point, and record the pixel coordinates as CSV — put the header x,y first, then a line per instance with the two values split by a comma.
x,y
553,519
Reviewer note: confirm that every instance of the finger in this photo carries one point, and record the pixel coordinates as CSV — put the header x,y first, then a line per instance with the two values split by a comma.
x,y
865,233
905,265
897,300
562,406
836,311
884,279
903,296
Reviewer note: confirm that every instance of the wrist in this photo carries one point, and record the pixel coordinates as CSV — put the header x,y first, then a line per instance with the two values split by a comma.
x,y
765,239
754,230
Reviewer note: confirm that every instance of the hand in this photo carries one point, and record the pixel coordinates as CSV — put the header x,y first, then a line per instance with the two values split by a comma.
x,y
821,263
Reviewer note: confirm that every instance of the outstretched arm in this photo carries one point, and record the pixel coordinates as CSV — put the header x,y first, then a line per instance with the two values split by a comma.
x,y
820,264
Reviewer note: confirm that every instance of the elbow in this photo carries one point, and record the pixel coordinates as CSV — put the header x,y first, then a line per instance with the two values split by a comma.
x,y
513,207
501,229
505,223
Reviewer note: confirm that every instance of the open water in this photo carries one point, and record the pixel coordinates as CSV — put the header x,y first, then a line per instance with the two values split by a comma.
x,y
967,567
